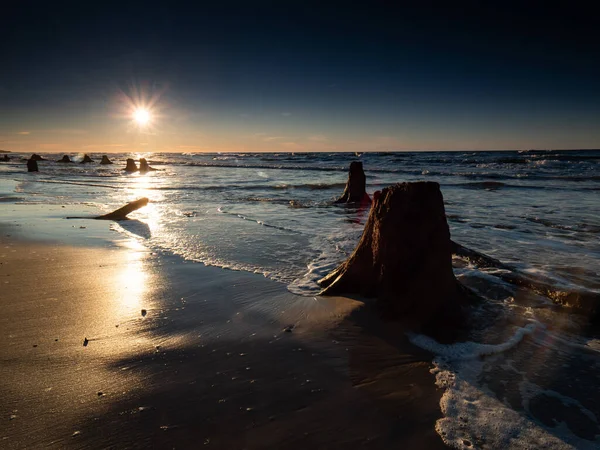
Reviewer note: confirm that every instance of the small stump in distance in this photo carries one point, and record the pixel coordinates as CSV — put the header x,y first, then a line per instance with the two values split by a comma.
x,y
404,259
86,159
130,166
355,190
32,165
105,160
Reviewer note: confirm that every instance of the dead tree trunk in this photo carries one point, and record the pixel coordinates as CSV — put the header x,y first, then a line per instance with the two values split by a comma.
x,y
121,213
404,257
355,191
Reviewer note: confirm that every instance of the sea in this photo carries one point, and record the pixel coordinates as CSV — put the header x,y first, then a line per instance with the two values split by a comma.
x,y
528,376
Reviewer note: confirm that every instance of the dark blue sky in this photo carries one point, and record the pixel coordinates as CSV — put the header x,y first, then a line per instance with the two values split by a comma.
x,y
296,76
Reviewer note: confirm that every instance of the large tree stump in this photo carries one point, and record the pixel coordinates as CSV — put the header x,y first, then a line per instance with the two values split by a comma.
x,y
355,191
404,257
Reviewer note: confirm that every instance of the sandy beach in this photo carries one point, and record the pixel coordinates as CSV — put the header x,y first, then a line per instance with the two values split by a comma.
x,y
109,345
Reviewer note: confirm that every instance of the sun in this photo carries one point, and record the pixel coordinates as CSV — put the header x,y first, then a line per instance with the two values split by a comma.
x,y
141,116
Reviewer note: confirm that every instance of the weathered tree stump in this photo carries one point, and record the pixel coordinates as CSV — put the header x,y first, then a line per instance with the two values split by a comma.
x,y
144,166
404,258
32,165
355,191
65,159
105,160
130,166
86,159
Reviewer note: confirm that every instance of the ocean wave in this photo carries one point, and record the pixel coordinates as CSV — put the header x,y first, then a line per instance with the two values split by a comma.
x,y
579,227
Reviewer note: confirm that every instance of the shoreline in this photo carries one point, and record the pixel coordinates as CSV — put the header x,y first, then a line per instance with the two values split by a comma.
x,y
209,363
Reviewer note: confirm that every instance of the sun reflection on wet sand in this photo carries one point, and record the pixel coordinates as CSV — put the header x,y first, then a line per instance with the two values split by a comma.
x,y
132,280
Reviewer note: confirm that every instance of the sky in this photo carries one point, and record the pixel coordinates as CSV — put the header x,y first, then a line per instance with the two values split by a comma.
x,y
298,76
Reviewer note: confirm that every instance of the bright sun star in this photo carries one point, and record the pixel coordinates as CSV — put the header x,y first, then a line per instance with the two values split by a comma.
x,y
141,116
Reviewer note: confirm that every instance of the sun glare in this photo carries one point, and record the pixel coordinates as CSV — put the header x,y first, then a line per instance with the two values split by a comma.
x,y
141,116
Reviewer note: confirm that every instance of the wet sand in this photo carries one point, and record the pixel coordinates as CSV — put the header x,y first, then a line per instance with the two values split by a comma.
x,y
180,355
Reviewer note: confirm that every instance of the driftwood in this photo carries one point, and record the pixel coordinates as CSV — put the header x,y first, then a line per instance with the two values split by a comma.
x,y
404,258
121,213
584,302
355,190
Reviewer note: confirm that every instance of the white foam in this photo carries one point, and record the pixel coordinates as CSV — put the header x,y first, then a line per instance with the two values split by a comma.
x,y
470,350
474,417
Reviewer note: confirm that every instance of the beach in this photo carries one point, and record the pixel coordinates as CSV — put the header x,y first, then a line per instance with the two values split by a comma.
x,y
198,321
180,355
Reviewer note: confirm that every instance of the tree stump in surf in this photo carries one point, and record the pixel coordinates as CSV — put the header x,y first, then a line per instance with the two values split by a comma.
x,y
65,159
144,166
404,258
86,159
130,166
105,160
32,165
355,191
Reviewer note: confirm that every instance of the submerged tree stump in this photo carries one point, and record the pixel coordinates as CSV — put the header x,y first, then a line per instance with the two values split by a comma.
x,y
355,191
86,159
65,159
404,257
105,160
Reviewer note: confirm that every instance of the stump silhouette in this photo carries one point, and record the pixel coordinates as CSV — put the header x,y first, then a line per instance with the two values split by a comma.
x,y
32,165
65,159
130,166
404,258
144,166
355,190
86,159
105,160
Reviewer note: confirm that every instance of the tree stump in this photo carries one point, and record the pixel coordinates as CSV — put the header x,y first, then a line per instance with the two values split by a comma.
x,y
355,191
144,166
105,160
404,258
32,165
86,159
65,159
130,166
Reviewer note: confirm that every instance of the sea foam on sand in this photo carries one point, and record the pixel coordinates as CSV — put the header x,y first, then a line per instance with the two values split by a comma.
x,y
474,417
